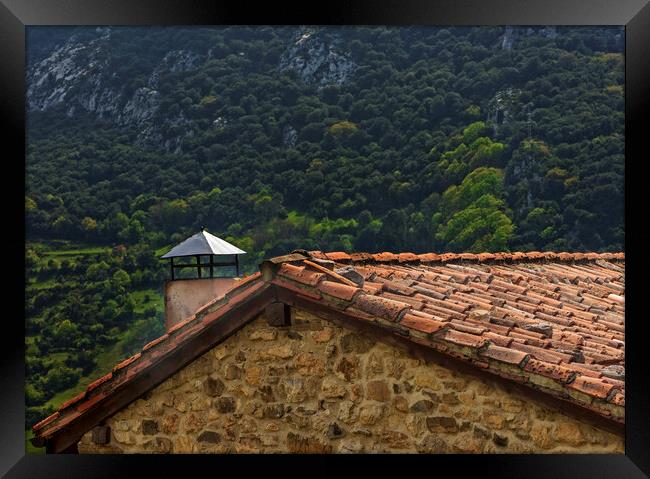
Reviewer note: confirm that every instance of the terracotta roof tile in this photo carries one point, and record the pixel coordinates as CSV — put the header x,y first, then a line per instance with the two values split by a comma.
x,y
300,274
357,313
464,327
384,257
542,354
406,257
95,384
553,371
529,340
462,339
360,257
339,290
429,258
396,287
126,362
46,421
592,386
414,302
442,312
316,254
292,286
155,342
584,371
422,324
338,256
486,256
618,398
382,307
499,340
373,288
505,355
615,382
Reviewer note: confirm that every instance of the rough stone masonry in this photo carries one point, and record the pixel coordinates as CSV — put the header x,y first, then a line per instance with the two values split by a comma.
x,y
315,387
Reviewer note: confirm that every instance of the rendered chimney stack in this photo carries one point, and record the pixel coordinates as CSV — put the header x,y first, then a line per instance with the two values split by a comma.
x,y
202,268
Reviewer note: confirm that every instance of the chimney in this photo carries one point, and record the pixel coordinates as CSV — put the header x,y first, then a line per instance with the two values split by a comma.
x,y
203,267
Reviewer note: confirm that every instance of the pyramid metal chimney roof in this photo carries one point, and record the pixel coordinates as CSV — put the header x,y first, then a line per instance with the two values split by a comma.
x,y
202,243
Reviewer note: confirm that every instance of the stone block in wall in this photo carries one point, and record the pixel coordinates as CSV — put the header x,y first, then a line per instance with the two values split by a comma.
x,y
500,440
400,404
323,336
423,406
213,386
253,375
225,404
273,411
263,335
331,388
149,427
378,391
309,364
433,444
193,422
158,445
442,424
334,431
124,437
306,444
211,437
540,433
284,351
395,440
351,446
568,432
370,414
232,371
356,343
463,444
374,365
169,423
348,368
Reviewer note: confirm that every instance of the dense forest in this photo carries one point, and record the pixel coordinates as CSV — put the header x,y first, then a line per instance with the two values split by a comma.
x,y
359,139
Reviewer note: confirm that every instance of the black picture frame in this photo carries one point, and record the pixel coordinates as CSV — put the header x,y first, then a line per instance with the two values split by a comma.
x,y
634,14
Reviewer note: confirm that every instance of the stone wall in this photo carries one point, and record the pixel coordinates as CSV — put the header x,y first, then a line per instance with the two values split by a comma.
x,y
315,387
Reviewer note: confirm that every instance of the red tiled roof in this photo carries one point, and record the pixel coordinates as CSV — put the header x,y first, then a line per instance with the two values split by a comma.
x,y
529,317
552,321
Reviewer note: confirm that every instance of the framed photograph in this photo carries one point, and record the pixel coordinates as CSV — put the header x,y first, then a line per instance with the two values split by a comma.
x,y
396,231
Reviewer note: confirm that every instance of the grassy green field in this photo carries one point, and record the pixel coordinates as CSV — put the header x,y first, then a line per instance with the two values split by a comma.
x,y
163,250
78,251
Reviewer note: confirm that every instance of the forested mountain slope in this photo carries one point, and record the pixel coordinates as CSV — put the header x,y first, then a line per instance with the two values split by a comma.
x,y
361,139
337,138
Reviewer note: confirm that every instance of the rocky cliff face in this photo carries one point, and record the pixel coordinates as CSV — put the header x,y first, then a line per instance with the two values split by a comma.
x,y
79,75
318,59
512,33
74,66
